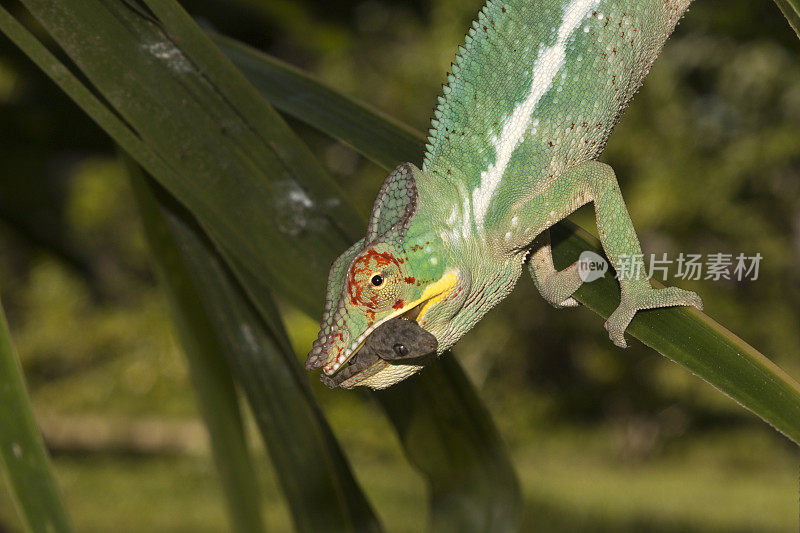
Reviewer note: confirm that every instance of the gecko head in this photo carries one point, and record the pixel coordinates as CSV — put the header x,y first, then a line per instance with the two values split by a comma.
x,y
395,271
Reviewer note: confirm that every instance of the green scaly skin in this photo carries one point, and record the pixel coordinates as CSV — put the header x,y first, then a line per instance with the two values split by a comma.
x,y
533,96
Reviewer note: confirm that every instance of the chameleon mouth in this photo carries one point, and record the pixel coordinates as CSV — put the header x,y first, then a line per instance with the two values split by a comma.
x,y
412,312
433,294
353,372
399,346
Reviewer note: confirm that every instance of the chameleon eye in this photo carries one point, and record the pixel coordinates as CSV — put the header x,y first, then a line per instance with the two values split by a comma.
x,y
377,280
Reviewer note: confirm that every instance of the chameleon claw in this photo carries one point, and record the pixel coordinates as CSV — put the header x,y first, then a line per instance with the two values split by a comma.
x,y
648,298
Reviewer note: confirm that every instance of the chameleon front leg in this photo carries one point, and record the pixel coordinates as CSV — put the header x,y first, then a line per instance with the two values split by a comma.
x,y
555,286
596,182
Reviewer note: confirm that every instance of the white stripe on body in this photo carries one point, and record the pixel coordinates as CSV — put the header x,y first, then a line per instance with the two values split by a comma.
x,y
545,69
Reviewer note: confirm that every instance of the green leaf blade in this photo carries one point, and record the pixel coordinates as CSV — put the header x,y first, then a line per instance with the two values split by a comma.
x,y
790,10
24,458
236,138
320,489
236,203
295,93
209,369
448,433
695,341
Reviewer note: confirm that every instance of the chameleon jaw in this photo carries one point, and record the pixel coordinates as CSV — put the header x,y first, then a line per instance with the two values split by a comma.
x,y
433,294
410,312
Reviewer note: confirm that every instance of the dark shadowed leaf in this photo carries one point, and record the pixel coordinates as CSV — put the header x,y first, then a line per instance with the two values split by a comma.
x,y
208,364
191,120
448,434
210,304
295,93
206,135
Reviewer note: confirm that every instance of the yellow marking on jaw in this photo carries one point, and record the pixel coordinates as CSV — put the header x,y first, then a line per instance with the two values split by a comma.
x,y
436,292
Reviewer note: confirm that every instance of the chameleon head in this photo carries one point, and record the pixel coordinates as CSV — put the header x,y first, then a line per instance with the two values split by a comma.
x,y
393,272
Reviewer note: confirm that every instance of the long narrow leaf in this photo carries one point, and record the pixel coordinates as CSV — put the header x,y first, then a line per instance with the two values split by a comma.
x,y
216,141
22,452
383,139
345,495
688,337
290,90
319,487
695,341
474,487
479,490
208,366
791,10
448,434
203,132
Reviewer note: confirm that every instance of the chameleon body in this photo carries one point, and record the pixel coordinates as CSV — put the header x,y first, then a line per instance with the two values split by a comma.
x,y
533,96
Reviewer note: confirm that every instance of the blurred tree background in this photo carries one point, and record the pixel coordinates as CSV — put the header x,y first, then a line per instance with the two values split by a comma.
x,y
708,157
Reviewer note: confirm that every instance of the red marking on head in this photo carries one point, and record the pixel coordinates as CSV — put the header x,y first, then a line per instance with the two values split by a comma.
x,y
358,281
410,279
399,304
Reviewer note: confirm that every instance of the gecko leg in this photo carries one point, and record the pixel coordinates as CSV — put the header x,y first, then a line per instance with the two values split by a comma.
x,y
596,182
556,287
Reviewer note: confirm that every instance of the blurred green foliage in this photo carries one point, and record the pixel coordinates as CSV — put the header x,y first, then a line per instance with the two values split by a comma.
x,y
708,157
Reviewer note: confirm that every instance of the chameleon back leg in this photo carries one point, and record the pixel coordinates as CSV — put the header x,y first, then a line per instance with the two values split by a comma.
x,y
596,182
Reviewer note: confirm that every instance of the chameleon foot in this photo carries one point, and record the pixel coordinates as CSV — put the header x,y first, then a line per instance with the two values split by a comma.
x,y
646,298
558,288
555,286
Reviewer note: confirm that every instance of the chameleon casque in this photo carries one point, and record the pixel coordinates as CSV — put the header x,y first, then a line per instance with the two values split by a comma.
x,y
532,98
